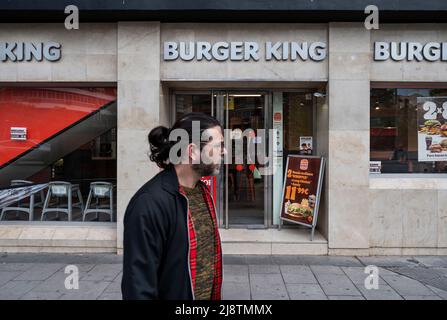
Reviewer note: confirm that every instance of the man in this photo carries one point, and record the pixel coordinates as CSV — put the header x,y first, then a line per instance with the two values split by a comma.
x,y
172,246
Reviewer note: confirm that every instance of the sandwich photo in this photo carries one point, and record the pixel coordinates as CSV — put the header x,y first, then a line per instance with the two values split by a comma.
x,y
431,127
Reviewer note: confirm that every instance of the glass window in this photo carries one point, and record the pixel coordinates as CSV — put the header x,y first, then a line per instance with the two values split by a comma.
x,y
186,103
394,130
298,124
58,135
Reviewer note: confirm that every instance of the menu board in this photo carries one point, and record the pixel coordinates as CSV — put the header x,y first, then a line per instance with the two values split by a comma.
x,y
432,128
302,188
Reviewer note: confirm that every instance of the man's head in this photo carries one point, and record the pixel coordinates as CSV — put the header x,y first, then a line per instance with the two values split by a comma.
x,y
194,140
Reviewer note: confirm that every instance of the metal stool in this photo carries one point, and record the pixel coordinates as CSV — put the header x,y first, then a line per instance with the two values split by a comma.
x,y
100,190
28,209
62,189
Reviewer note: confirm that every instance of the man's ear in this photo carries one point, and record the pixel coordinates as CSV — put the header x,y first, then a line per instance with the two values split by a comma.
x,y
193,153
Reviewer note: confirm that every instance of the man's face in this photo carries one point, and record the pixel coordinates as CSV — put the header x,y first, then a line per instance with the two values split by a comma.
x,y
212,153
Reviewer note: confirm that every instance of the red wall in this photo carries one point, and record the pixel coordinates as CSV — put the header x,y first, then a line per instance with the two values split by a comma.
x,y
44,112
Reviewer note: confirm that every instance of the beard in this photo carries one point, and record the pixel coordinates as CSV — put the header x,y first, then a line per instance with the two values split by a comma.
x,y
204,170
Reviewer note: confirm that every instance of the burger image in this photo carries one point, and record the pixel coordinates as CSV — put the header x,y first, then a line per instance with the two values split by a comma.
x,y
443,144
435,148
432,127
443,130
299,210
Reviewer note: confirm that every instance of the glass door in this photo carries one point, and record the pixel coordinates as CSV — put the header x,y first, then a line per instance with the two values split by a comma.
x,y
243,195
245,198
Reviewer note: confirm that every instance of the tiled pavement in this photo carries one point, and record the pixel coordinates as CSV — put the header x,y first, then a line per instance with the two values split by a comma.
x,y
31,276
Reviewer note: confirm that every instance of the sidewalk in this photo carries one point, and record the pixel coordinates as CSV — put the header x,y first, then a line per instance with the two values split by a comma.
x,y
41,276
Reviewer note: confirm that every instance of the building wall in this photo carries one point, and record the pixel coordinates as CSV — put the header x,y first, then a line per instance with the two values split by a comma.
x,y
364,215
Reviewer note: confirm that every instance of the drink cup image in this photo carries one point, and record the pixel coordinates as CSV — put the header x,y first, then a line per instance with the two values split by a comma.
x,y
428,142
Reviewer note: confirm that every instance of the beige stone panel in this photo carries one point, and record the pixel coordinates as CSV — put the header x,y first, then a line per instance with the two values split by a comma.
x,y
101,67
102,38
384,182
348,160
349,37
138,37
10,232
299,249
349,225
419,251
35,233
102,233
442,218
348,252
165,106
386,218
134,175
349,66
349,105
8,71
385,251
71,67
138,104
247,248
423,71
386,71
138,67
133,146
78,233
34,71
420,218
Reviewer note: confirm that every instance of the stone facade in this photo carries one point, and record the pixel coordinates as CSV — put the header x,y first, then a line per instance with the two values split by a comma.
x,y
360,214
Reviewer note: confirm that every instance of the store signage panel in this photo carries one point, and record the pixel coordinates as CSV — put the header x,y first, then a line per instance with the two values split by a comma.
x,y
244,51
28,51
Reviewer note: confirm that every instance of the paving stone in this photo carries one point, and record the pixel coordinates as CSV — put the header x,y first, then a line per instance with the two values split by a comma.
x,y
275,292
41,295
265,280
113,287
389,261
439,292
433,261
259,259
110,296
14,290
326,270
358,276
264,269
103,272
422,298
286,260
234,259
385,292
15,266
305,292
298,275
88,290
406,286
339,261
6,276
235,291
346,298
40,271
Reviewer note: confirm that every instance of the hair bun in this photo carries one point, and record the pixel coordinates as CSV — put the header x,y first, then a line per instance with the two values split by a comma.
x,y
160,145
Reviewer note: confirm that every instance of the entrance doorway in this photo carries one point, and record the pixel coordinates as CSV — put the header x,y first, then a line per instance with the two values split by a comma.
x,y
243,194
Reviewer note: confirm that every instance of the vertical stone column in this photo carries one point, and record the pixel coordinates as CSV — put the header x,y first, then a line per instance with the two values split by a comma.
x,y
138,109
348,166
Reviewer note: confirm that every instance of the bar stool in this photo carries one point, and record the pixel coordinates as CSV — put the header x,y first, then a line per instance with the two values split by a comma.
x,y
60,190
29,209
99,190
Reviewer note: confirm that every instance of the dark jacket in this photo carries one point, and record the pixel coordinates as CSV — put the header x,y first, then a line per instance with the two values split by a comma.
x,y
156,242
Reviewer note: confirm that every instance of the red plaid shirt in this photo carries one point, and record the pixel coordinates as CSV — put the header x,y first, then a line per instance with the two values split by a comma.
x,y
217,283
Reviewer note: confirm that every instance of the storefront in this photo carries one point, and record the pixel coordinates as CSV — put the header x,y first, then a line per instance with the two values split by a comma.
x,y
350,93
